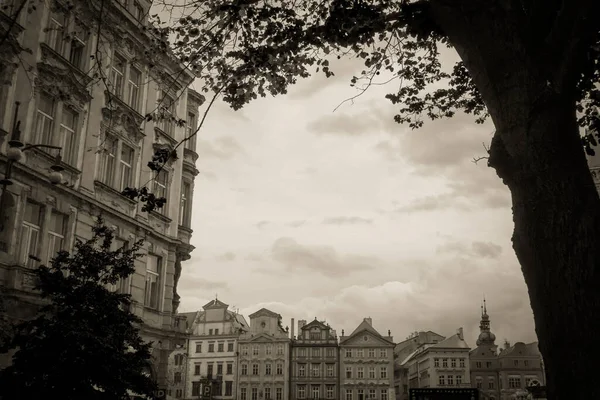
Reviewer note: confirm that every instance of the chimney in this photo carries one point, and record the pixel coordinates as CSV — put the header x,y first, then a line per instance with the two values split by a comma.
x,y
342,332
369,320
292,325
389,333
459,332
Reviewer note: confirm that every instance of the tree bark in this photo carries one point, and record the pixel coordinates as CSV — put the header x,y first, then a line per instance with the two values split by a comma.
x,y
537,152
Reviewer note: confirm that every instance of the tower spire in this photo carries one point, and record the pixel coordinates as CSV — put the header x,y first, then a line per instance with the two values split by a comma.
x,y
486,337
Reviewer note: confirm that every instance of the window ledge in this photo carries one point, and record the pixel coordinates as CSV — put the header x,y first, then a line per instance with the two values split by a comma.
x,y
105,187
160,216
47,50
67,167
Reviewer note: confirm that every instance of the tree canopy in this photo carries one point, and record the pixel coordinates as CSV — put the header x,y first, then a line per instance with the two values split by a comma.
x,y
85,342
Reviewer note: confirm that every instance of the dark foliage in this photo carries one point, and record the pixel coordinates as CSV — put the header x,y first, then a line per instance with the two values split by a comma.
x,y
84,344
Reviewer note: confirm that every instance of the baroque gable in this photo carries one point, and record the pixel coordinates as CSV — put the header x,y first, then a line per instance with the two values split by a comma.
x,y
366,339
263,312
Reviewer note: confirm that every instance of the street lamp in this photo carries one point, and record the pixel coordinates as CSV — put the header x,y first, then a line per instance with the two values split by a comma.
x,y
14,153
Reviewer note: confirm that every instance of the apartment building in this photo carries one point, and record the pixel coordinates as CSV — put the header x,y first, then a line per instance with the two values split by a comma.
x,y
366,364
212,350
264,358
51,95
314,365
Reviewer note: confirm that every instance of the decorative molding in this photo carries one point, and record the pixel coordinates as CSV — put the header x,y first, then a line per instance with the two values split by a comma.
x,y
123,120
114,198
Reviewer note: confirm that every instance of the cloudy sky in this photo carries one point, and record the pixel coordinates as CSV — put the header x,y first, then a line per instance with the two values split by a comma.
x,y
343,215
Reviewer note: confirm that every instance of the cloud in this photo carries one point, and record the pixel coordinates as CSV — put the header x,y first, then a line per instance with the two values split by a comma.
x,y
438,202
192,283
343,123
476,249
223,148
321,259
346,221
262,224
296,224
211,176
226,257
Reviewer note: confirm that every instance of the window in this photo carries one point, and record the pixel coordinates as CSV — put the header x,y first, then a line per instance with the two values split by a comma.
x,y
348,394
453,363
371,372
177,377
243,394
244,350
315,391
278,393
445,363
178,359
268,349
133,88
384,394
219,369
196,389
450,380
44,124
67,136
56,31
526,363
371,353
491,384
267,393
316,370
161,183
192,125
254,393
360,373
441,380
108,160
516,363
229,369
268,369
279,349
383,353
329,391
117,75
372,393
209,369
330,370
301,352
315,335
216,331
279,369
479,381
348,372
301,391
360,394
316,352
462,362
359,353
126,166
254,369
199,347
230,347
56,234
77,51
436,362
478,364
211,347
244,369
228,388
458,380
221,347
255,350
153,271
514,382
197,368
30,233
348,353
383,373
138,11
301,370
330,352
167,106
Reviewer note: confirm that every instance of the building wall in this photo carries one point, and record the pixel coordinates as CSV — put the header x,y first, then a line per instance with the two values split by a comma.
x,y
314,362
264,359
88,189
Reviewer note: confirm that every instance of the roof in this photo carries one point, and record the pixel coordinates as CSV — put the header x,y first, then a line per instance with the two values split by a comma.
x,y
365,326
264,311
521,349
315,322
216,303
453,342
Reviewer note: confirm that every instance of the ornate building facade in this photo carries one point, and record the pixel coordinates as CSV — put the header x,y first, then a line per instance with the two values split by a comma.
x,y
366,364
314,365
84,94
212,351
507,373
263,371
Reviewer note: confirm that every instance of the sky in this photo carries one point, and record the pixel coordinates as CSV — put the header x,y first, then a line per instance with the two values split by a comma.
x,y
345,215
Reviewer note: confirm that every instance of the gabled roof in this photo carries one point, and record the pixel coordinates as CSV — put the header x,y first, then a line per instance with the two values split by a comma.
x,y
264,311
521,349
363,327
216,303
315,323
453,342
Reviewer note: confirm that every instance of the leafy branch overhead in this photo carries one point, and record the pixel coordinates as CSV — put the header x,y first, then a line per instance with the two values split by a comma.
x,y
251,48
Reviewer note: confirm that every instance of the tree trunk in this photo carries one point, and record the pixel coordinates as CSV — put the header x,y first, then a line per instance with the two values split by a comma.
x,y
537,152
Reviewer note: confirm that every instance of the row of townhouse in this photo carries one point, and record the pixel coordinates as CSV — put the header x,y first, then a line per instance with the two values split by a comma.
x,y
49,97
262,360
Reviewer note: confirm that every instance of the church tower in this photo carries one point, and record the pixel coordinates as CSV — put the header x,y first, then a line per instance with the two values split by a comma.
x,y
486,337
